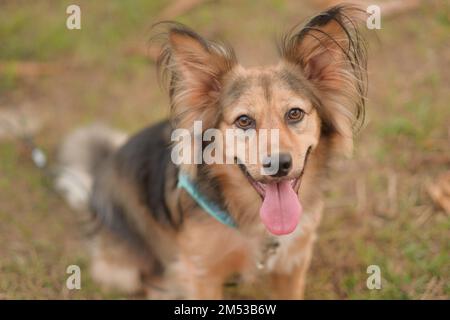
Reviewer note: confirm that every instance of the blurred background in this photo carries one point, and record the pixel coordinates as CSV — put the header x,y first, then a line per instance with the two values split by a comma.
x,y
388,206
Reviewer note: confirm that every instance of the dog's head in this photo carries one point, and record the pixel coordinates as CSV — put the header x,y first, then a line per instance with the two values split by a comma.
x,y
315,92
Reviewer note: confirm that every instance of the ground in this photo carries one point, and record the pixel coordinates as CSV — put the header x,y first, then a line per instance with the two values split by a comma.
x,y
377,211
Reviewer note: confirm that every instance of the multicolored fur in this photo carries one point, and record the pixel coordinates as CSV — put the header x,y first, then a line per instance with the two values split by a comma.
x,y
153,236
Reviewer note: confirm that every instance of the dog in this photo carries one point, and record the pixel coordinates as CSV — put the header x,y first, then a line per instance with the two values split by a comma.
x,y
181,231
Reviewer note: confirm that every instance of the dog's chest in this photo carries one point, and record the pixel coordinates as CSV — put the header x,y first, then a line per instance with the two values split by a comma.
x,y
280,252
284,253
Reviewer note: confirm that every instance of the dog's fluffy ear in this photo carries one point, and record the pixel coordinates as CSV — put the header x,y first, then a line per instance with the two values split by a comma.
x,y
331,54
193,69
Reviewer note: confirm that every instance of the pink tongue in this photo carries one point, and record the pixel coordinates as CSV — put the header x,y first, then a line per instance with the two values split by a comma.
x,y
281,208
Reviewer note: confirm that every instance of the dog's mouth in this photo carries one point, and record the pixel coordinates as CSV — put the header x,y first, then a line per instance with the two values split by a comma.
x,y
281,208
261,187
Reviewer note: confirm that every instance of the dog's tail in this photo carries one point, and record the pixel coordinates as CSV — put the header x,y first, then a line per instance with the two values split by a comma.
x,y
81,154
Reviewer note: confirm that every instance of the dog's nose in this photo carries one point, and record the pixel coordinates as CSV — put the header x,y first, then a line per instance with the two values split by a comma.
x,y
284,164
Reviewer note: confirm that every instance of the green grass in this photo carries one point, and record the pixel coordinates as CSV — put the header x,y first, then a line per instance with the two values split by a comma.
x,y
31,35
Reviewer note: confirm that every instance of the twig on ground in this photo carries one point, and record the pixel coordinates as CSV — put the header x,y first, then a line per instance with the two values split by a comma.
x,y
179,7
440,191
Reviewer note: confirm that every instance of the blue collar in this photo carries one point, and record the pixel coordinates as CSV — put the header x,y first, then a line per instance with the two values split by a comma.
x,y
212,208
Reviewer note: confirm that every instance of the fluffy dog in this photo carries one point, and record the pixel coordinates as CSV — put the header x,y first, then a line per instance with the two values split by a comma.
x,y
176,239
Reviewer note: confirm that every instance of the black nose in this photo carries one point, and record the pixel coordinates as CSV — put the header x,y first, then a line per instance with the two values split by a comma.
x,y
284,164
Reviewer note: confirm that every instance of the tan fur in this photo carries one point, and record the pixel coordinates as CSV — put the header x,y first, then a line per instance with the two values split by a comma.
x,y
206,83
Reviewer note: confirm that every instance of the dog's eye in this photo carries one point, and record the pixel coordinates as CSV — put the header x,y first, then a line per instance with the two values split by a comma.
x,y
295,115
245,122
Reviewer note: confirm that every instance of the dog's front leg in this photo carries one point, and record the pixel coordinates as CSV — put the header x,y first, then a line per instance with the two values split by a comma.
x,y
290,284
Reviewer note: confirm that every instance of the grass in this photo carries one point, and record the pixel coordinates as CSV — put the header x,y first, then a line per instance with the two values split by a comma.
x,y
377,210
